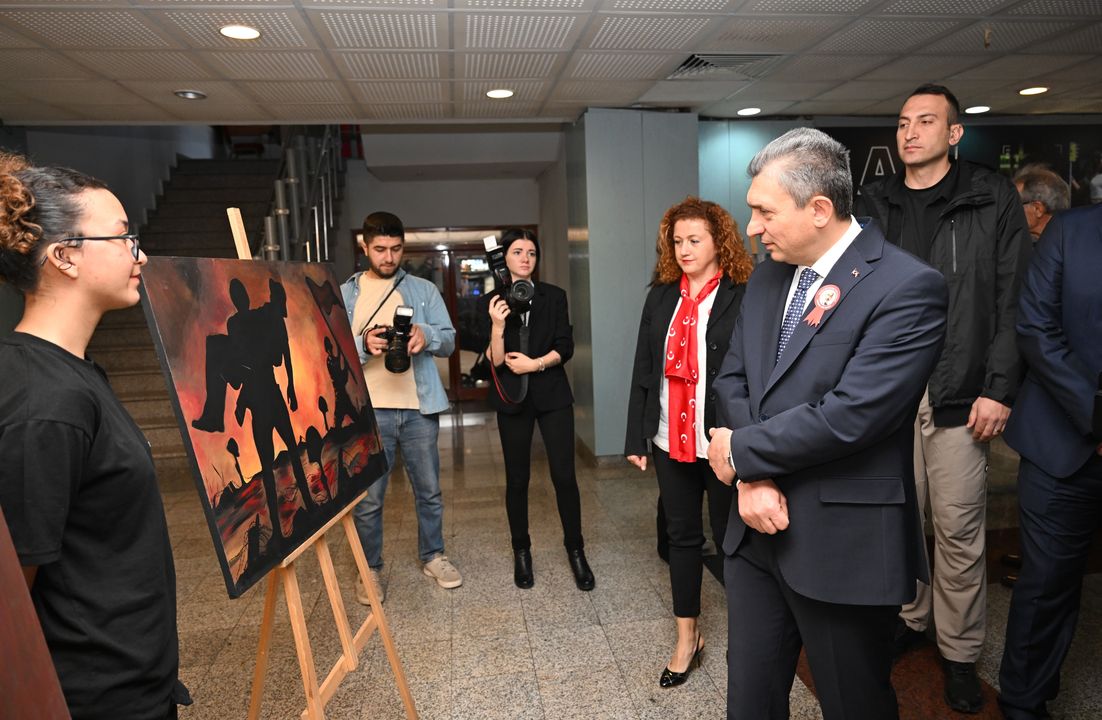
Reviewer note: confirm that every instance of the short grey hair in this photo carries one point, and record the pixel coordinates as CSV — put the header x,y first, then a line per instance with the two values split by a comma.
x,y
811,163
1039,184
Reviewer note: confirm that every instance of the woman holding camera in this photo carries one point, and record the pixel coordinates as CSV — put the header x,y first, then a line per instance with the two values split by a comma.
x,y
686,326
529,342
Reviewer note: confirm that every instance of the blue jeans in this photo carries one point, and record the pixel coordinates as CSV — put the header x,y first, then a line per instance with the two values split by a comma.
x,y
416,435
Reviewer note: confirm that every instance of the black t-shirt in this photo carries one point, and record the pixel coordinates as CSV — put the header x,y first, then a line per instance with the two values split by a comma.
x,y
77,486
921,210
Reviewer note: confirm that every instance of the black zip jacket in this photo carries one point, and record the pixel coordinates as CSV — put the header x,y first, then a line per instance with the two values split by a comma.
x,y
981,245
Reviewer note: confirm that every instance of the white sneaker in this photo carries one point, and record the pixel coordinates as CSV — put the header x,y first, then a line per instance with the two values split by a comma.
x,y
361,591
441,569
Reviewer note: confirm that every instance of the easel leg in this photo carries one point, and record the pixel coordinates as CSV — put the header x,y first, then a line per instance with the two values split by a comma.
x,y
302,642
377,607
329,575
271,594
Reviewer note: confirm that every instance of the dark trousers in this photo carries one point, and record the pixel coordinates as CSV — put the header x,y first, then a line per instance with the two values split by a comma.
x,y
557,430
1058,518
849,647
681,489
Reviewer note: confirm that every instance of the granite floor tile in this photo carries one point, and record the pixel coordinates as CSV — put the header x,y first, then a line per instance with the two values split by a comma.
x,y
557,651
483,656
513,696
598,693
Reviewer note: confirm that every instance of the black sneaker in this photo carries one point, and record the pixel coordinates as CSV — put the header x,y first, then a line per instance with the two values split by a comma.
x,y
962,687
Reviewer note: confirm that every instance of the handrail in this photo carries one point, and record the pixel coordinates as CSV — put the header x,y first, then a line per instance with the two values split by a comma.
x,y
302,208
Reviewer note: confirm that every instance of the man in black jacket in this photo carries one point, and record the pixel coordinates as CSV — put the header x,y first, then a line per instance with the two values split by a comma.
x,y
966,221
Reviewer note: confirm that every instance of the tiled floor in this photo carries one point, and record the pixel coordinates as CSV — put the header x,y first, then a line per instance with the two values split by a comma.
x,y
488,650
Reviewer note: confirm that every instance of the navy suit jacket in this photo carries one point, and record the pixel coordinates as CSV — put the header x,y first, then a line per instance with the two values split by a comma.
x,y
1060,336
832,421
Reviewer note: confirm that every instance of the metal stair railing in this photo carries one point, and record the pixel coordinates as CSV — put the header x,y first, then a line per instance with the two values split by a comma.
x,y
304,195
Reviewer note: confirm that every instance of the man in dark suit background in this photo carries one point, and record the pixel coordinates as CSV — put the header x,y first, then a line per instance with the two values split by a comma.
x,y
1060,477
838,333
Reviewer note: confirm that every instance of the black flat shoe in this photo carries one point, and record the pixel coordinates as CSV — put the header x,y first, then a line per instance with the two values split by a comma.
x,y
522,569
670,679
583,576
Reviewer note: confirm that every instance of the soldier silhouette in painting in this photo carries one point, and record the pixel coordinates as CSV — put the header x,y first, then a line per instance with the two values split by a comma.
x,y
339,374
245,358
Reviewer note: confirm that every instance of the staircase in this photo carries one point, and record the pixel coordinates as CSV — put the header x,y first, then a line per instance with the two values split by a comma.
x,y
190,220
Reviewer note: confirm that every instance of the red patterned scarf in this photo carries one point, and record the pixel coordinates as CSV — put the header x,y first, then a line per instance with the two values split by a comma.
x,y
682,372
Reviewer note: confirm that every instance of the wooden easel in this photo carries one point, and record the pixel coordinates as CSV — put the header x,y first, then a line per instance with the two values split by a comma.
x,y
317,696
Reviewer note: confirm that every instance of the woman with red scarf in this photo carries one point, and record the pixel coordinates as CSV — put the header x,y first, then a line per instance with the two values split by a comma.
x,y
687,321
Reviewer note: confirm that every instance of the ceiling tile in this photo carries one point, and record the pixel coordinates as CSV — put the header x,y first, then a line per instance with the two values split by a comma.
x,y
11,39
193,111
647,32
219,92
772,35
769,90
371,4
144,112
880,35
621,65
490,109
268,65
599,93
806,7
393,65
74,90
516,32
375,30
1020,66
837,67
691,92
680,6
404,92
943,7
565,111
87,28
278,28
33,63
33,112
141,64
526,4
1059,8
729,108
297,92
508,65
825,107
1002,36
864,91
932,67
523,92
1087,40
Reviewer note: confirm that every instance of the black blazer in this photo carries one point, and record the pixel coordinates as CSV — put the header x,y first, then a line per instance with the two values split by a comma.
x,y
548,329
1060,337
646,376
832,421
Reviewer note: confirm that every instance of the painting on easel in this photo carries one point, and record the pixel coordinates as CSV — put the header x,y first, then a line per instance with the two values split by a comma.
x,y
271,402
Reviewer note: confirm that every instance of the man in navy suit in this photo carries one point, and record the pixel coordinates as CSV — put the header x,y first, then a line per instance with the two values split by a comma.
x,y
1054,429
836,339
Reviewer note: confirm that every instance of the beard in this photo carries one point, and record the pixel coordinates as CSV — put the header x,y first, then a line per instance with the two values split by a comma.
x,y
381,273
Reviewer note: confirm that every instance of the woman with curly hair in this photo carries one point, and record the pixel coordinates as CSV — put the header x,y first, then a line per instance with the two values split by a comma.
x,y
77,483
687,321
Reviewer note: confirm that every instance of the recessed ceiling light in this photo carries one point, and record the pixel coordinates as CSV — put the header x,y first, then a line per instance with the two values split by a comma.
x,y
499,94
976,109
240,32
190,94
1033,90
746,112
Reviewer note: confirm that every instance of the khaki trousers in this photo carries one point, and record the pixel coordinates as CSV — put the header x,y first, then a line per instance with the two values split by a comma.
x,y
951,470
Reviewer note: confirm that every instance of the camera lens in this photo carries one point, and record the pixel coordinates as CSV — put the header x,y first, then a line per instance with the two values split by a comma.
x,y
522,290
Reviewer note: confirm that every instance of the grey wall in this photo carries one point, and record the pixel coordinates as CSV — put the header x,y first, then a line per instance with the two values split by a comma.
x,y
133,160
635,165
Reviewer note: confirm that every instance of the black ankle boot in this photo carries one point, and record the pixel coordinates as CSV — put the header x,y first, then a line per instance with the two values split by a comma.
x,y
522,569
583,576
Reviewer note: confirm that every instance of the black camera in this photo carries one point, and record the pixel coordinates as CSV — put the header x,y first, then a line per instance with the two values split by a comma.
x,y
518,294
396,356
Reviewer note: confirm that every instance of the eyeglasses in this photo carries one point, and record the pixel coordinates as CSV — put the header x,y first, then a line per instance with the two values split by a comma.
x,y
135,248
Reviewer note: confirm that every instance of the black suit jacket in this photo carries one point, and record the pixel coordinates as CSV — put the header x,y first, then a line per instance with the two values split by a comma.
x,y
650,348
548,329
1060,336
832,421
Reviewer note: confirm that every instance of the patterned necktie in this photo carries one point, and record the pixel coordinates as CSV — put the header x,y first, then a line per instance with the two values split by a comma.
x,y
795,309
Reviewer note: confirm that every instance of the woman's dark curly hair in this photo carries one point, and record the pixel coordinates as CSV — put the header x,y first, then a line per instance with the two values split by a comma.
x,y
733,259
38,205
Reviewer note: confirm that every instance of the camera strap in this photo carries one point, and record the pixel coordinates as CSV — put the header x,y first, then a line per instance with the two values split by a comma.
x,y
382,302
523,378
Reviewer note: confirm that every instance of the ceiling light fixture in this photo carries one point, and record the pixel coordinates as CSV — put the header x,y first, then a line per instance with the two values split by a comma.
x,y
190,94
499,94
1033,90
240,32
976,109
747,112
